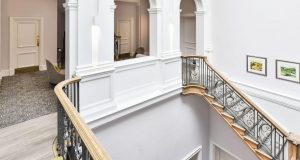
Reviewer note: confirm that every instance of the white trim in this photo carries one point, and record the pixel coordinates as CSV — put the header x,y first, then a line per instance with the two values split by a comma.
x,y
139,104
213,145
41,59
267,95
195,151
5,73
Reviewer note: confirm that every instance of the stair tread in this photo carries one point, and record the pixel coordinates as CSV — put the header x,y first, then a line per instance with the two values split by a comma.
x,y
196,86
238,126
217,105
250,139
263,153
227,115
208,95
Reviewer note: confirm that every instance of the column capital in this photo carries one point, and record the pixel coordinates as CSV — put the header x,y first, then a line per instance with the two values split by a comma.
x,y
71,5
200,13
112,8
154,10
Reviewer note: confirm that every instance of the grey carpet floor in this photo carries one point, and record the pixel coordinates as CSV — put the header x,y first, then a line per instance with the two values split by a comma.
x,y
25,96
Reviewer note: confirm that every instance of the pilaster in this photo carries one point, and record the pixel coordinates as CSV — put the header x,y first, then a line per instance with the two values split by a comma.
x,y
155,30
71,51
200,33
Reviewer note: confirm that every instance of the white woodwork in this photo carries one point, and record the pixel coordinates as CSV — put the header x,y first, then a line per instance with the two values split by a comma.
x,y
26,43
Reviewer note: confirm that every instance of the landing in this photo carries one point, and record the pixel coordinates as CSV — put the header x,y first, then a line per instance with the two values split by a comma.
x,y
30,140
25,96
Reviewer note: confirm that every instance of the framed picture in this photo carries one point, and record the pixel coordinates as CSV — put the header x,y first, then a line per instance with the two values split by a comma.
x,y
257,65
288,71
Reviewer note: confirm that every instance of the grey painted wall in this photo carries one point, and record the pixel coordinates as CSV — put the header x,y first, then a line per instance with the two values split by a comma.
x,y
222,135
170,130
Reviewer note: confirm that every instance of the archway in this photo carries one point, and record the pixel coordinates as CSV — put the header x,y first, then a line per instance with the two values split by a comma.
x,y
188,27
131,29
192,27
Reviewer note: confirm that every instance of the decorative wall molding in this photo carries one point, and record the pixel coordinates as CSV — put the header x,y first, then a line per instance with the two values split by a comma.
x,y
200,13
274,97
155,10
213,145
5,73
135,63
127,108
195,151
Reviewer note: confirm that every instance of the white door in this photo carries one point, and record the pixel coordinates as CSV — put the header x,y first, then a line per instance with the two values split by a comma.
x,y
25,42
124,30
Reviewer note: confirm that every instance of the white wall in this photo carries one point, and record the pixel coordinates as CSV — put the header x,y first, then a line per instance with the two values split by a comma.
x,y
30,8
267,28
261,28
223,136
167,130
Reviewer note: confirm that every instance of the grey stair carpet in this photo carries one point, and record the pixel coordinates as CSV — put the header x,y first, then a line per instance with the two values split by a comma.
x,y
25,96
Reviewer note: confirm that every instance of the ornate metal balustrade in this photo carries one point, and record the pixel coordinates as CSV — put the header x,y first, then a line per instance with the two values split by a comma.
x,y
75,141
270,137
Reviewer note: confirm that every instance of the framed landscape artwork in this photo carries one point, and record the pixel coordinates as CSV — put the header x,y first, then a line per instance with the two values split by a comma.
x,y
257,65
288,71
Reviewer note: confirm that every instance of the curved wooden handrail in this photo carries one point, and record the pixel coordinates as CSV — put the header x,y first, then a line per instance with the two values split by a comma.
x,y
243,95
96,151
295,138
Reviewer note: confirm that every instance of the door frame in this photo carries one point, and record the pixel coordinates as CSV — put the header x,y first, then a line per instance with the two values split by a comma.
x,y
41,59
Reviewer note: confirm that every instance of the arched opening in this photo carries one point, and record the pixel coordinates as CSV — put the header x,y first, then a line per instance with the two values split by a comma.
x,y
131,29
188,27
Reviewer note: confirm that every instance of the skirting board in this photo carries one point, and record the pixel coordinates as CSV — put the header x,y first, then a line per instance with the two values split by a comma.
x,y
5,73
197,150
277,98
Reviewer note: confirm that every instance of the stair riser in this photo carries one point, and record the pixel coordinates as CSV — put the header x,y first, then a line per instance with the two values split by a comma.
x,y
219,109
263,157
228,119
251,144
208,98
239,131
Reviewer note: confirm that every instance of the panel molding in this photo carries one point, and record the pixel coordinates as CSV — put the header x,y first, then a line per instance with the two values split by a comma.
x,y
12,58
213,145
126,109
195,151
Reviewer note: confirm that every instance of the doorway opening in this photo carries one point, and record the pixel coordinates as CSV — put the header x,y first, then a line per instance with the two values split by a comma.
x,y
188,27
131,29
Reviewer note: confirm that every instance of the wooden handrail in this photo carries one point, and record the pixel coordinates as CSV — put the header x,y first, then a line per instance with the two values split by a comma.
x,y
96,151
295,138
244,96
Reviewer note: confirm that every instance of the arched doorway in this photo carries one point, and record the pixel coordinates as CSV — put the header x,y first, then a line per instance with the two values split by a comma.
x,y
131,29
188,27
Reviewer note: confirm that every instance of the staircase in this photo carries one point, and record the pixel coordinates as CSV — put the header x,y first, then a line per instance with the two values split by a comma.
x,y
259,132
